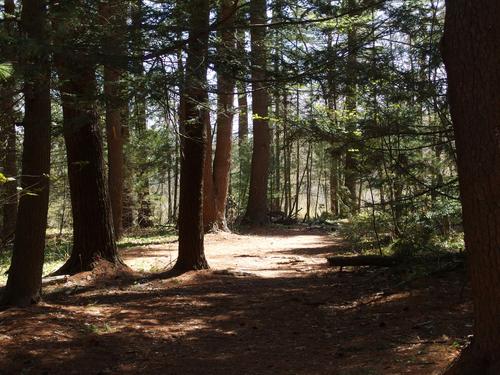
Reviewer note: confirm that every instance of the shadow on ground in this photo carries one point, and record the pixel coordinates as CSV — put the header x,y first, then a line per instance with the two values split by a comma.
x,y
214,323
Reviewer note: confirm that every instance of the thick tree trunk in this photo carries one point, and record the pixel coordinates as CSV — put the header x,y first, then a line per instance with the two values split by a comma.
x,y
471,51
25,275
7,124
93,235
191,248
225,97
256,213
114,24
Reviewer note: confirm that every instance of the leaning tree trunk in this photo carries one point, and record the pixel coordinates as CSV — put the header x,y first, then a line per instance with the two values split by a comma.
x,y
114,24
256,213
191,248
471,51
93,235
25,275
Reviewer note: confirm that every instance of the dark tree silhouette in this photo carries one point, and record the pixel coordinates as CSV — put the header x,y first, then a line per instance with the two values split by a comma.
x,y
471,51
93,235
25,275
191,248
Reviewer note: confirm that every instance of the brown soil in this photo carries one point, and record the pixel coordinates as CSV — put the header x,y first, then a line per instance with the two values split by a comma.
x,y
269,305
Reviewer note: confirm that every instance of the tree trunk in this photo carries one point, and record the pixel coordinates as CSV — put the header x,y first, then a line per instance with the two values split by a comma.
x,y
191,248
7,123
243,144
25,275
256,213
93,235
471,51
209,210
225,97
114,24
140,121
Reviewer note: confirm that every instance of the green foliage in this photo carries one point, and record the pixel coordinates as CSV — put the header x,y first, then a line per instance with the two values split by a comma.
x,y
57,250
364,231
145,237
6,71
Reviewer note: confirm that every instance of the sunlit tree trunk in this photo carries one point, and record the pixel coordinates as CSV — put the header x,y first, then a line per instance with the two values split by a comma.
x,y
225,98
256,213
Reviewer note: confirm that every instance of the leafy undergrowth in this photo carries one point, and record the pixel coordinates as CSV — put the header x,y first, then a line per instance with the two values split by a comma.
x,y
58,247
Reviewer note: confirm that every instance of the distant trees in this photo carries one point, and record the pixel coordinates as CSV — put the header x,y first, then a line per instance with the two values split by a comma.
x,y
139,116
471,51
25,275
256,212
8,130
350,106
193,127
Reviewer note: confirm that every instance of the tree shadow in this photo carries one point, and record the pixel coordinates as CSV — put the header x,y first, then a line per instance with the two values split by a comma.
x,y
213,323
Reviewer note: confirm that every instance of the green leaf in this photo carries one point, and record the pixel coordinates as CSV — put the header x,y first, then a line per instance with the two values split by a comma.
x,y
5,71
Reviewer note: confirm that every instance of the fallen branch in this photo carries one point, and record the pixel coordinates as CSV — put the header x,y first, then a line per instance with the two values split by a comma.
x,y
363,260
46,281
391,261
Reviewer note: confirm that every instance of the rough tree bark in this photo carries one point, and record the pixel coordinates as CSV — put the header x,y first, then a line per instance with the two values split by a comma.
x,y
191,247
93,235
25,276
225,97
7,124
113,18
256,213
471,51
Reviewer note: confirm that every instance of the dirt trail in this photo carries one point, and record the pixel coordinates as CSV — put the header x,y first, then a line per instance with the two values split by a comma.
x,y
272,252
268,306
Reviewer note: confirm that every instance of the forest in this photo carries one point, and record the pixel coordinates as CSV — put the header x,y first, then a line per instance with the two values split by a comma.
x,y
250,187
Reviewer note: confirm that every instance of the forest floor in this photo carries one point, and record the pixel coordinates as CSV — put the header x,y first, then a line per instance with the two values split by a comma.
x,y
269,305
